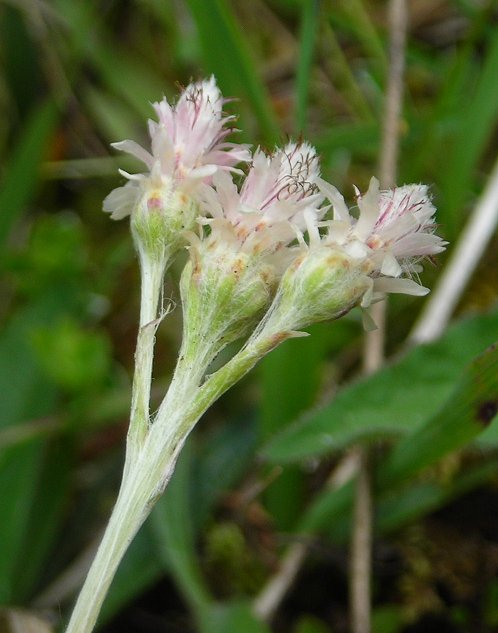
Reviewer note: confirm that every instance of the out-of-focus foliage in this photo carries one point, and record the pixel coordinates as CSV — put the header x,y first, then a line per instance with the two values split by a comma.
x,y
79,74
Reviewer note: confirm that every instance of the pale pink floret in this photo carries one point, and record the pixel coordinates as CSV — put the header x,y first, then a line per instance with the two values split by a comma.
x,y
393,231
272,200
187,146
400,219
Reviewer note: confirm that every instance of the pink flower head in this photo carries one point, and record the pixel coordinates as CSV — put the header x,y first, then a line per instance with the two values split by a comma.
x,y
187,147
393,231
273,198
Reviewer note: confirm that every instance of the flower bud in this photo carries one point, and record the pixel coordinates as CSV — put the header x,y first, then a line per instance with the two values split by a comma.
x,y
321,284
224,291
159,219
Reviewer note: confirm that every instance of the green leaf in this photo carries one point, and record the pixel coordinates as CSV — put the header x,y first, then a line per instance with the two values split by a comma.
x,y
290,379
310,624
328,506
399,507
26,394
391,403
388,619
21,63
463,416
470,409
222,458
490,606
232,617
171,521
290,375
25,390
331,511
19,471
21,174
44,521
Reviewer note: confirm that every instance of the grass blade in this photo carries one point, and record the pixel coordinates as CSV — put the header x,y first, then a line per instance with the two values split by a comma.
x,y
290,378
21,174
309,29
227,55
477,122
173,528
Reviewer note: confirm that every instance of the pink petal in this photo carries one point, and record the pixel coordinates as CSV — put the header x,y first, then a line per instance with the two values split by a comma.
x,y
130,147
369,210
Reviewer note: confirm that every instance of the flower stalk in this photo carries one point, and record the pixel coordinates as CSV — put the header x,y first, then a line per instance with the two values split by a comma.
x,y
149,466
152,274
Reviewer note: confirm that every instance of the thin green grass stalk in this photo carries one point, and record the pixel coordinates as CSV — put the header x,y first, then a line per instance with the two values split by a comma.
x,y
222,40
457,73
343,76
173,527
309,30
290,378
481,115
360,23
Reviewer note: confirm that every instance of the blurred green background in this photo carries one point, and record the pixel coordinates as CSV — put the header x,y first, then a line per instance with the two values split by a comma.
x,y
79,74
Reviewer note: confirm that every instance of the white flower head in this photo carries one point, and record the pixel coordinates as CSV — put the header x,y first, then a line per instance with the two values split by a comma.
x,y
394,230
357,259
274,198
187,147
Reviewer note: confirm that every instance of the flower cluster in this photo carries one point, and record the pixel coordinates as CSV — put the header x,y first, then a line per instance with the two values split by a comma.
x,y
270,254
272,231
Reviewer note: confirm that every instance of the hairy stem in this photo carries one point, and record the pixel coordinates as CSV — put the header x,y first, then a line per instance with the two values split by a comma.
x,y
143,482
152,274
126,518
